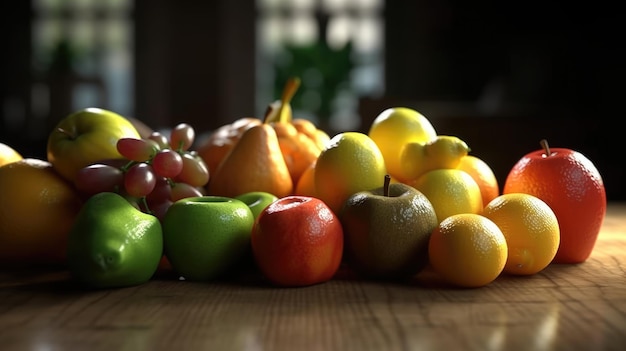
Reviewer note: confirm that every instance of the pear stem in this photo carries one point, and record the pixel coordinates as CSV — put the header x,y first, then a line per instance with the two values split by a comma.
x,y
274,111
386,185
545,146
289,91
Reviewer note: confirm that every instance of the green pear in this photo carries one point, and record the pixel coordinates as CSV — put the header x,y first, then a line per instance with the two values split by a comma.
x,y
113,244
386,231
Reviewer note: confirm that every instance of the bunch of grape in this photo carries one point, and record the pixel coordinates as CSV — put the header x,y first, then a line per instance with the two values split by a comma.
x,y
154,173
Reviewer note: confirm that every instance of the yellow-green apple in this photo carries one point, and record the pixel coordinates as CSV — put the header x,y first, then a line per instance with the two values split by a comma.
x,y
85,137
206,236
386,231
297,241
257,200
113,244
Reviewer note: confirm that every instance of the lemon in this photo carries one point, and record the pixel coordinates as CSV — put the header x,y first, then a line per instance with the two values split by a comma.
x,y
531,230
8,154
467,250
451,191
445,151
395,127
350,162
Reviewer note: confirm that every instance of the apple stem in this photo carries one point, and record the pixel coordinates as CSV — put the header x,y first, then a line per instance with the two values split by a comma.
x,y
545,146
386,185
61,130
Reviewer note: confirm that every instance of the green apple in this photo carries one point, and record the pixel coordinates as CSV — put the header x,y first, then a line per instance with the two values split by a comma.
x,y
257,201
85,137
387,230
113,244
205,236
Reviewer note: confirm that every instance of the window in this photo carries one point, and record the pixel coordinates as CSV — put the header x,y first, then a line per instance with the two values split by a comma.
x,y
82,50
334,46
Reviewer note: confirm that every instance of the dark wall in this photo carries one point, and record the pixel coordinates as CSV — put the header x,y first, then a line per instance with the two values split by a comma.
x,y
538,52
194,62
15,75
503,75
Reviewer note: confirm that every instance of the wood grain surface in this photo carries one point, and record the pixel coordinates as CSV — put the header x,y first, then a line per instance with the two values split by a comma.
x,y
564,307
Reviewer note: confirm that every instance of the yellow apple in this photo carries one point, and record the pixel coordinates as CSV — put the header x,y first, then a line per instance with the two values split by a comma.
x,y
85,137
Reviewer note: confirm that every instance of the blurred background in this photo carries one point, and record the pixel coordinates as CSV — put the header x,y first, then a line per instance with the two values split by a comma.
x,y
499,76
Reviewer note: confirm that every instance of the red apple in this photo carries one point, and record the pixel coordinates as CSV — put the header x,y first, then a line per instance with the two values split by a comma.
x,y
297,241
572,186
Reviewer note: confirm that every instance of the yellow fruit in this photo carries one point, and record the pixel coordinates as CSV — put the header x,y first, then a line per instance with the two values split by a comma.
x,y
531,230
37,209
451,191
483,175
467,250
8,154
350,162
395,127
417,158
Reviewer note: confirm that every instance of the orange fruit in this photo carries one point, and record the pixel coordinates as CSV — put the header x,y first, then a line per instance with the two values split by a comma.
x,y
306,183
531,230
308,128
467,250
8,154
297,148
483,175
573,188
450,191
37,209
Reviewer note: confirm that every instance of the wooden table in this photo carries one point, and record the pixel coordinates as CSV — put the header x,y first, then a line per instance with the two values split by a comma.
x,y
564,307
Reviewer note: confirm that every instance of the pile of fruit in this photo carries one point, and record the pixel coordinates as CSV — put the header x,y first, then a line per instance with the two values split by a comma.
x,y
115,207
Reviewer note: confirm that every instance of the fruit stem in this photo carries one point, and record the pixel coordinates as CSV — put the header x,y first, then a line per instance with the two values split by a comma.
x,y
129,164
386,185
291,86
545,146
144,202
61,130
